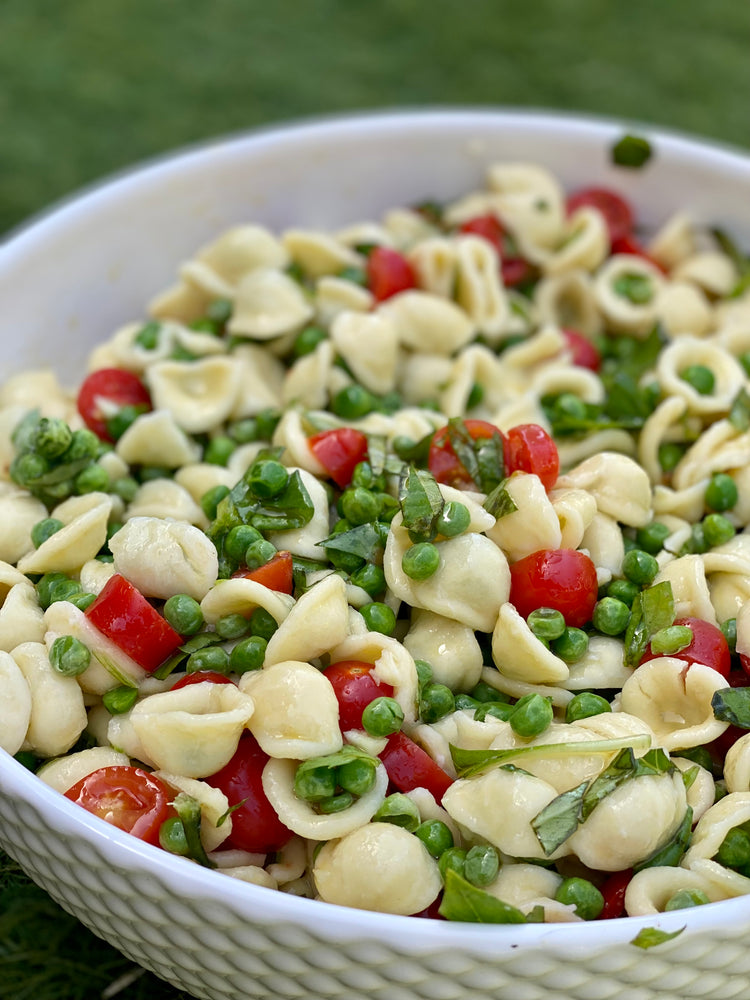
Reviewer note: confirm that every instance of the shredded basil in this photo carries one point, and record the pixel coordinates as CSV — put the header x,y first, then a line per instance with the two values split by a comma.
x,y
500,503
363,540
631,151
482,458
652,610
740,260
732,705
650,937
559,820
225,816
671,854
464,902
739,414
189,811
195,642
421,503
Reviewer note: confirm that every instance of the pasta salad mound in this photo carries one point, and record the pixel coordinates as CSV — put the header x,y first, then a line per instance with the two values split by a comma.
x,y
407,566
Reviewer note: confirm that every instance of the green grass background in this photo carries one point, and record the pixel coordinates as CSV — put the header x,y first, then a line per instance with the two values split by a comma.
x,y
90,86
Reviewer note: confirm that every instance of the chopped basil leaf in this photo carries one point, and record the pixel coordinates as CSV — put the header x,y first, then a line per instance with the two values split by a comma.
x,y
463,901
739,414
631,151
652,610
225,816
626,400
421,503
671,854
732,705
559,820
490,462
292,509
623,768
362,540
500,503
189,811
649,937
463,445
740,260
199,641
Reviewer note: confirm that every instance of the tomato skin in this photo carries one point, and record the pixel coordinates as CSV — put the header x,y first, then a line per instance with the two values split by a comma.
x,y
613,889
616,211
355,687
583,353
529,448
276,574
516,271
115,385
410,767
488,227
201,676
255,825
708,646
445,464
564,579
339,451
127,797
124,615
388,273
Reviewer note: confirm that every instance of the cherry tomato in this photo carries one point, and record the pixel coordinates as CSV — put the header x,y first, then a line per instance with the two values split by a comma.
x,y
199,676
708,646
124,615
488,227
432,912
616,211
106,391
410,767
276,574
583,353
529,448
516,271
255,825
445,464
564,579
339,451
388,273
355,687
127,797
613,890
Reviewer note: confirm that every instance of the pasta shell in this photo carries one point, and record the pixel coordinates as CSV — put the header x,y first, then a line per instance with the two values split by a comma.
x,y
425,322
198,394
155,439
15,705
448,646
268,303
518,653
316,623
58,715
163,558
83,533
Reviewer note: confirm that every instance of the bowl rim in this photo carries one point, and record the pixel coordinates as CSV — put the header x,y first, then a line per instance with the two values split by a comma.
x,y
183,878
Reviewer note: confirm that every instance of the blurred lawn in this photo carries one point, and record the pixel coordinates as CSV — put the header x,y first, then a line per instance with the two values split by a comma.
x,y
89,86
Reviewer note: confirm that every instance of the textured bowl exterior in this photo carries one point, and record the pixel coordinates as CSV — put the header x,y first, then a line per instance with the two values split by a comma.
x,y
91,265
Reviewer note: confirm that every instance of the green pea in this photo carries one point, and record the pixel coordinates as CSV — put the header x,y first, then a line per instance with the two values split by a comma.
x,y
583,895
686,898
239,539
399,810
263,623
729,629
220,310
69,656
64,590
259,553
244,431
636,288
569,405
585,705
531,716
248,654
486,693
356,776
314,784
44,588
232,626
420,561
184,614
482,865
652,536
721,492
148,473
671,639
266,423
436,701
353,402
717,530
125,487
701,378
202,325
119,422
209,658
476,395
496,710
378,617
454,519
624,591
359,505
120,699
370,578
640,567
735,849
45,529
148,336
382,717
403,446
464,702
696,543
52,437
390,402
546,623
337,803
610,616
219,449
172,837
267,478
364,476
670,455
358,275
454,859
82,600
307,340
211,500
26,468
435,836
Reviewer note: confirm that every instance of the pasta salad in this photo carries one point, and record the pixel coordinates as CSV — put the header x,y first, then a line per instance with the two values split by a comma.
x,y
405,566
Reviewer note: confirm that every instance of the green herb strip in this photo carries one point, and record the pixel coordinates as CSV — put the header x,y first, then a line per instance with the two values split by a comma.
x,y
464,902
652,610
421,503
732,705
189,811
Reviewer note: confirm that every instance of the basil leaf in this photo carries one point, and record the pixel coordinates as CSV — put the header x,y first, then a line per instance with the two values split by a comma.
x,y
490,462
559,820
631,151
463,901
732,705
199,641
739,414
650,937
626,400
189,811
292,509
225,816
652,610
471,762
634,357
671,853
362,540
419,451
500,503
742,286
740,260
463,445
624,768
421,502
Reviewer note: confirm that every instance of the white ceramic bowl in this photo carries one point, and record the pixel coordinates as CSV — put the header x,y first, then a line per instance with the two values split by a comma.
x,y
66,282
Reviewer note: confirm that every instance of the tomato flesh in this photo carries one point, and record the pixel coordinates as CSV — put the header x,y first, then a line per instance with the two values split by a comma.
x,y
277,574
486,226
563,579
444,463
339,452
104,392
255,825
124,615
529,448
582,351
388,273
708,646
613,890
126,797
410,767
200,677
616,211
355,687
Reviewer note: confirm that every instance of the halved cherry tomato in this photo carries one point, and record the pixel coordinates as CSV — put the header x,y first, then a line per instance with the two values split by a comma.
x,y
127,797
583,353
355,687
410,767
255,825
529,448
628,244
389,272
339,452
708,646
201,676
488,227
564,579
516,271
124,615
106,391
445,464
616,211
613,889
276,574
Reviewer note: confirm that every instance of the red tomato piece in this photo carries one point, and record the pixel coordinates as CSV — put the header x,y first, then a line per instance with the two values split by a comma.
x,y
616,211
628,244
564,579
355,687
339,451
708,646
583,353
199,677
516,271
255,825
127,797
488,227
613,889
276,574
410,767
529,448
445,464
106,391
124,615
388,273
